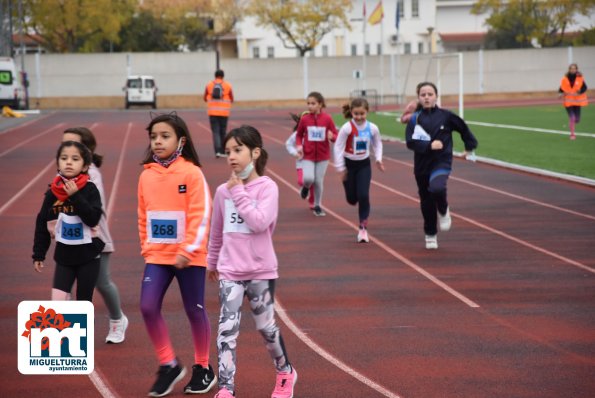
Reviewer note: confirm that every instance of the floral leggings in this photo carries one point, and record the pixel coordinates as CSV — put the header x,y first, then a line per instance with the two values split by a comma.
x,y
260,294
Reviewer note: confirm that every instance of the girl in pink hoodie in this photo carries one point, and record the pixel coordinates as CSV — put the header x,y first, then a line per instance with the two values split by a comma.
x,y
242,258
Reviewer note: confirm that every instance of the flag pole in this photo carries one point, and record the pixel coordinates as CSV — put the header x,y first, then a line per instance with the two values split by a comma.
x,y
381,58
365,75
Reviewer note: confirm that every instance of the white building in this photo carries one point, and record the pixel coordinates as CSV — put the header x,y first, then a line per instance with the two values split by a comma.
x,y
425,26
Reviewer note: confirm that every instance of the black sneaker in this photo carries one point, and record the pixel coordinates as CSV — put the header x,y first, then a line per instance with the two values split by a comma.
x,y
304,192
318,212
202,380
167,377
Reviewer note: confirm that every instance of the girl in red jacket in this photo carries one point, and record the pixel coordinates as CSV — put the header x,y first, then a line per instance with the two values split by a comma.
x,y
174,211
314,134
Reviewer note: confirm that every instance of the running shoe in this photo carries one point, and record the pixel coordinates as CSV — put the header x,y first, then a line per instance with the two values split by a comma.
x,y
285,383
431,242
202,380
362,236
224,393
117,330
318,212
444,221
167,377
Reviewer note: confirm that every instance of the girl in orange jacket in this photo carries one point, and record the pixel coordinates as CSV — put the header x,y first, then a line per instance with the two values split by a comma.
x,y
573,88
174,210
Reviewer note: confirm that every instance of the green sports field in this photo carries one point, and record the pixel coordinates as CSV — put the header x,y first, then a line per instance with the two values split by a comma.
x,y
516,138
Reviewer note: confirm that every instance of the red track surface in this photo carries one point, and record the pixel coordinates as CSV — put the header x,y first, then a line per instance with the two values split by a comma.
x,y
505,307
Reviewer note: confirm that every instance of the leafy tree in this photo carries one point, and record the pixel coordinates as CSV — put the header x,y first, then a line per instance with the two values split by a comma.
x,y
77,25
301,24
523,23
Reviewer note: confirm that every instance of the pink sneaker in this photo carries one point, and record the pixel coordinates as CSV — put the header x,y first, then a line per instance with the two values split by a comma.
x,y
362,236
224,393
285,383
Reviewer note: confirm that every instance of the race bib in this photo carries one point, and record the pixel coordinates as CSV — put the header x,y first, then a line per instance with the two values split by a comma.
x,y
360,145
233,221
166,226
316,133
420,134
70,230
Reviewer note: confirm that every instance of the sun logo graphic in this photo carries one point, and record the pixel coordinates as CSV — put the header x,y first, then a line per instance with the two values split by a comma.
x,y
56,337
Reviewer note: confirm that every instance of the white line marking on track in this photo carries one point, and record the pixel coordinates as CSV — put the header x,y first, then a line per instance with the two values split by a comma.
x,y
327,355
103,389
509,194
31,139
26,187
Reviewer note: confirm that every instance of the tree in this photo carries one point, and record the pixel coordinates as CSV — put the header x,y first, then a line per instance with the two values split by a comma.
x,y
526,23
77,25
301,24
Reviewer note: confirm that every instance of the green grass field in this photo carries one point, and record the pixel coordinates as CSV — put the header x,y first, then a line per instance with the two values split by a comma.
x,y
553,152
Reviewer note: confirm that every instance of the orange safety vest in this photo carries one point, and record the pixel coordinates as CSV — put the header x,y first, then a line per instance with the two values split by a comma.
x,y
219,107
571,93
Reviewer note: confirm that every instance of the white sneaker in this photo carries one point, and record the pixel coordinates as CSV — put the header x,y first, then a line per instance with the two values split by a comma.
x,y
362,236
444,221
117,330
431,242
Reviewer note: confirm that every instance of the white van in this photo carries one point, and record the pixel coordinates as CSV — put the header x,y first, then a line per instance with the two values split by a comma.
x,y
140,90
12,91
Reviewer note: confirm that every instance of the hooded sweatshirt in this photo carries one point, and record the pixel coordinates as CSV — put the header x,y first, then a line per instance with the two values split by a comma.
x,y
241,240
174,210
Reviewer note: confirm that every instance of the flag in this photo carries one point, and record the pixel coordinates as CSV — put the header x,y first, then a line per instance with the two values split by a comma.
x,y
376,15
398,16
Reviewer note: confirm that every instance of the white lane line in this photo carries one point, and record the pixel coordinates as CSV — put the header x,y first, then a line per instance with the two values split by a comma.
x,y
32,138
529,129
97,379
327,355
501,192
387,248
26,187
498,232
112,199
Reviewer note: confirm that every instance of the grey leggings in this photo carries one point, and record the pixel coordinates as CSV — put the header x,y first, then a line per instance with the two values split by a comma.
x,y
314,175
108,289
260,294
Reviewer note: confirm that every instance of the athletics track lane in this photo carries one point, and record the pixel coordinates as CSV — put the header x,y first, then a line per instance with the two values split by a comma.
x,y
531,336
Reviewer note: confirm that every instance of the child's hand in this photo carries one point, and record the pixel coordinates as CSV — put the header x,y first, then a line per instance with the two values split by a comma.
x,y
300,152
38,265
436,145
380,165
343,175
181,261
330,135
233,181
213,276
70,187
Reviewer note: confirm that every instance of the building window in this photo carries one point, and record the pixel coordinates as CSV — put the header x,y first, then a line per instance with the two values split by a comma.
x,y
379,48
354,49
270,52
415,8
420,47
325,51
255,52
367,49
407,48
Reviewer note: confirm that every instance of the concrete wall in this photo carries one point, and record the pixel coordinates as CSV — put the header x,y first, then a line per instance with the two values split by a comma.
x,y
96,80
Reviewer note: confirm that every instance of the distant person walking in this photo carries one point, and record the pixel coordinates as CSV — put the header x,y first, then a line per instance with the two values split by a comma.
x,y
219,97
574,90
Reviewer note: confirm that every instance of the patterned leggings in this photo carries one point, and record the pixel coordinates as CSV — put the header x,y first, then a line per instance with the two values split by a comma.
x,y
260,294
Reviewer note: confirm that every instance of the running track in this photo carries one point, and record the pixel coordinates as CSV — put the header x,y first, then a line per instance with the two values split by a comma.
x,y
505,307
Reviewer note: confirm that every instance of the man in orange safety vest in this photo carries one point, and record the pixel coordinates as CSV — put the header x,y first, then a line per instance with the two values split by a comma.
x,y
219,97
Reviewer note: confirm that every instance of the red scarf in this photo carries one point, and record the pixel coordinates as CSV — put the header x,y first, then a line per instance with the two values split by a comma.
x,y
57,186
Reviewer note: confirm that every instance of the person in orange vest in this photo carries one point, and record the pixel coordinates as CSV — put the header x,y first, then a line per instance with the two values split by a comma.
x,y
219,97
573,88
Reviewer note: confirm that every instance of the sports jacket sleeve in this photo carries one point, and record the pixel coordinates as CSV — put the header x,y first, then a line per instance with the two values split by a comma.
x,y
142,215
88,205
216,232
42,238
261,214
467,136
290,144
198,214
376,142
339,148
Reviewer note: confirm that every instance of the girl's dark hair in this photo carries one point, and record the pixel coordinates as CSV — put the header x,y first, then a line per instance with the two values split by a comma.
x,y
83,150
355,103
423,84
319,98
250,137
179,126
88,140
570,66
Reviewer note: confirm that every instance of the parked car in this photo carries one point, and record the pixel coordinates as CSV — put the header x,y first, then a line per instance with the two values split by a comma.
x,y
140,90
12,89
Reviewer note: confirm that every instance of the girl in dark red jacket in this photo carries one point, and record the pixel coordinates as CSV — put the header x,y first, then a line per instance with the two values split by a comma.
x,y
314,134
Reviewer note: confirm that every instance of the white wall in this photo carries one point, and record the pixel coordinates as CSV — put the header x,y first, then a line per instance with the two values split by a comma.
x,y
99,75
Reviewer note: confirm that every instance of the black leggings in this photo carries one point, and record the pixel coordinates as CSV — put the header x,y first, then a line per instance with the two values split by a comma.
x,y
574,112
85,275
432,197
357,186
